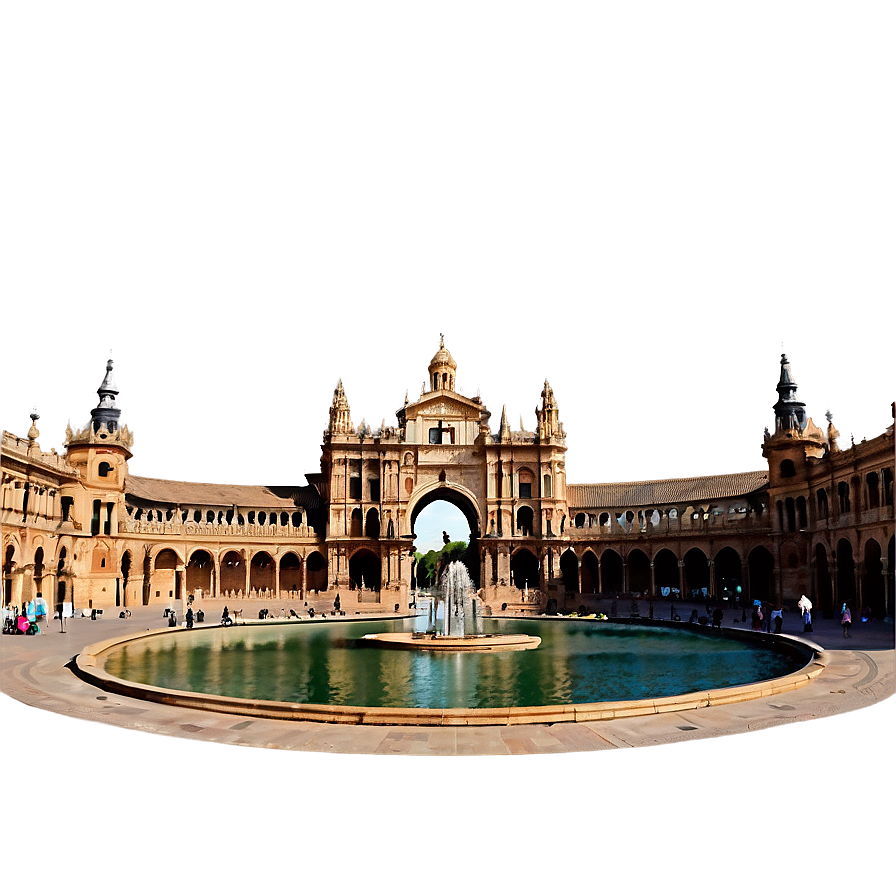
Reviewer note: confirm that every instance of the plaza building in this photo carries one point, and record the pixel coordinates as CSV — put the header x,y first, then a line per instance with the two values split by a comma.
x,y
816,519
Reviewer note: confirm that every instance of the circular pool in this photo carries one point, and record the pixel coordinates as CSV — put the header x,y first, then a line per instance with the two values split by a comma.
x,y
325,670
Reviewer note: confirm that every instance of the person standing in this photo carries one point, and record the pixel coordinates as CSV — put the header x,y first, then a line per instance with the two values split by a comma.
x,y
845,620
778,616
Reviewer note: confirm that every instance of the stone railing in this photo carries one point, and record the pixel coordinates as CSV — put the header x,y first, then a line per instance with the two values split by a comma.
x,y
670,526
213,530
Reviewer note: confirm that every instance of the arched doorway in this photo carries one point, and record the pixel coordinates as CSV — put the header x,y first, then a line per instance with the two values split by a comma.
x,y
524,569
233,572
290,572
62,594
525,522
38,573
316,567
199,573
126,564
443,512
729,575
873,581
364,570
696,573
590,575
164,579
825,593
846,576
665,573
638,571
890,587
569,570
611,571
261,572
761,569
9,564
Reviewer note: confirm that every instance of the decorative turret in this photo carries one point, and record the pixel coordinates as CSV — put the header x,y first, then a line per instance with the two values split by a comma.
x,y
504,435
442,368
549,425
796,437
106,413
790,414
340,413
103,427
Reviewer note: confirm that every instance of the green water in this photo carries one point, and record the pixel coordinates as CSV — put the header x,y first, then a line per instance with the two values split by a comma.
x,y
579,662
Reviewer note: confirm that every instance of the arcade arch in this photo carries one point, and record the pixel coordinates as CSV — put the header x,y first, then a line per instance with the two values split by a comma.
x,y
666,570
638,571
524,569
729,572
846,574
612,571
233,572
590,573
261,572
290,572
873,580
364,570
569,570
200,569
166,575
761,571
316,567
452,498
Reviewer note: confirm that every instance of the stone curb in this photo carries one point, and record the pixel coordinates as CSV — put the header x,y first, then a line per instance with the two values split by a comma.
x,y
89,666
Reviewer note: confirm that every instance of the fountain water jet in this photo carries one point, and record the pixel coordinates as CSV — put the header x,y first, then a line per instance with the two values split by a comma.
x,y
457,600
459,622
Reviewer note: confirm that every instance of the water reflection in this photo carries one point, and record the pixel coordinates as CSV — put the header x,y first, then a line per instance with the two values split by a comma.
x,y
324,663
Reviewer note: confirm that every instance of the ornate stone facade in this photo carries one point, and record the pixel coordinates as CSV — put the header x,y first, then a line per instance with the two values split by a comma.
x,y
818,520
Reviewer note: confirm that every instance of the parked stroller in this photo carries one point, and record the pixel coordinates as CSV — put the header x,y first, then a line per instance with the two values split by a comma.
x,y
20,624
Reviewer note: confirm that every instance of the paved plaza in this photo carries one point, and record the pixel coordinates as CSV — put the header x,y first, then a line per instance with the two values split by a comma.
x,y
565,808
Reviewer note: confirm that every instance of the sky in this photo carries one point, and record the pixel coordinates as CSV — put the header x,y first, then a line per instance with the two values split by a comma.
x,y
644,204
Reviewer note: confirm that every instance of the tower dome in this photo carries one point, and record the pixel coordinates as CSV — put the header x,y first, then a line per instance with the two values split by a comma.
x,y
442,368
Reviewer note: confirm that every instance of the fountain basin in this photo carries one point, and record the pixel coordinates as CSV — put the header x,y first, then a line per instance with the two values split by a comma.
x,y
421,641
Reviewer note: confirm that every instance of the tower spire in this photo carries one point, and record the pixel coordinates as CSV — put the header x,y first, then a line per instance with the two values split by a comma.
x,y
106,413
340,413
790,413
548,415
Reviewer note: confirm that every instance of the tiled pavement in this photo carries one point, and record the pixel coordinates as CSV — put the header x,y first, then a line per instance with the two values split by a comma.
x,y
860,671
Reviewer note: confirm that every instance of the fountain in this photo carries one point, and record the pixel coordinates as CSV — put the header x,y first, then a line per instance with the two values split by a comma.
x,y
457,600
458,622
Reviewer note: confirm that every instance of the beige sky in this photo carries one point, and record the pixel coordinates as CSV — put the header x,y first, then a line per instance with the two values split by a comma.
x,y
641,209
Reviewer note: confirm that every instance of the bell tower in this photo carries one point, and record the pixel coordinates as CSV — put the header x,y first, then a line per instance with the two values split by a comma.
x,y
442,369
340,413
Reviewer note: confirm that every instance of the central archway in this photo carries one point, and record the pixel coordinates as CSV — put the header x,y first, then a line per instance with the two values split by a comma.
x,y
466,503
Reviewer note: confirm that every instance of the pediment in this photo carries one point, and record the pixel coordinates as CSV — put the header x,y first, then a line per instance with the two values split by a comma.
x,y
445,405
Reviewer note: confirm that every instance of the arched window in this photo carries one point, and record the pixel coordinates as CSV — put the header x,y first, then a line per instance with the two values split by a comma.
x,y
787,469
843,495
104,469
801,514
790,508
872,481
821,497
